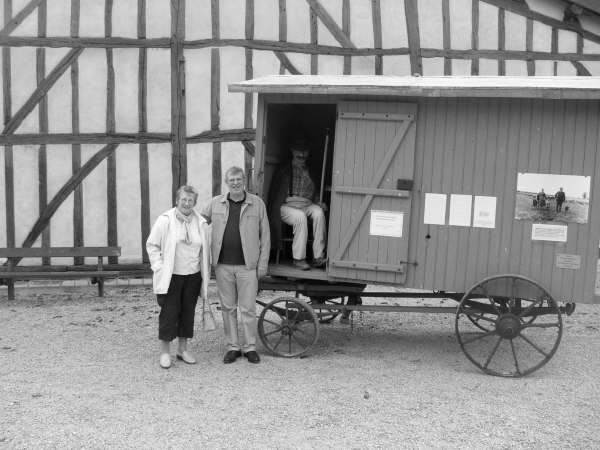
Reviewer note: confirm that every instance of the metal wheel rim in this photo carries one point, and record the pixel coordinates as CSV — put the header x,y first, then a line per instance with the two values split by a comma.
x,y
288,327
520,333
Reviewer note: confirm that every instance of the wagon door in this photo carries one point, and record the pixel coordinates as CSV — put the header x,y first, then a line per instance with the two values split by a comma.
x,y
371,191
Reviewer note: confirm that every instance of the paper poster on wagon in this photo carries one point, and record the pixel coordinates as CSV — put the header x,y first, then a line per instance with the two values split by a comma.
x,y
552,198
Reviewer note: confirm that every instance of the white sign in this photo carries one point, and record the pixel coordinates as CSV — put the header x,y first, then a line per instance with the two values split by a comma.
x,y
484,212
567,261
460,210
435,209
545,232
386,223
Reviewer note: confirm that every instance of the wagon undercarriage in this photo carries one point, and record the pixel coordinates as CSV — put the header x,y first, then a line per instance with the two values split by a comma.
x,y
506,325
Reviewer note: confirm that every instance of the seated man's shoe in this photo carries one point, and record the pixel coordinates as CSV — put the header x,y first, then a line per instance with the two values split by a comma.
x,y
186,357
165,360
252,357
318,263
301,264
231,356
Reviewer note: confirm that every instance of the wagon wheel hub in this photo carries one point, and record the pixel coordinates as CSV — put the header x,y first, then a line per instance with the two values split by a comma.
x,y
508,326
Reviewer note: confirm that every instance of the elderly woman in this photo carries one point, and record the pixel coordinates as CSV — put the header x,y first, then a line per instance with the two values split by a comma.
x,y
179,248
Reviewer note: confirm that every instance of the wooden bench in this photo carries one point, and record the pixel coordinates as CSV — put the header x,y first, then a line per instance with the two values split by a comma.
x,y
96,274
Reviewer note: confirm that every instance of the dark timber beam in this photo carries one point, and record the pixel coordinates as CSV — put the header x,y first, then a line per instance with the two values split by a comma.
x,y
13,23
414,41
330,24
42,89
64,193
523,10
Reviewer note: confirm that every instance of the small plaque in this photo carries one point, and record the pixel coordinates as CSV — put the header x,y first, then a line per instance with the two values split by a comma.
x,y
566,261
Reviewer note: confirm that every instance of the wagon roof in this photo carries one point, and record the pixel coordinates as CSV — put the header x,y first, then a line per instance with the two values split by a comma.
x,y
442,86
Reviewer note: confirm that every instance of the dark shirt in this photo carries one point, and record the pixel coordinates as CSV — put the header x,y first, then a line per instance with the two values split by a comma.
x,y
231,249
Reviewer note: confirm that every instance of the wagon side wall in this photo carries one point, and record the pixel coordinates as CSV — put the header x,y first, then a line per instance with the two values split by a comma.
x,y
477,147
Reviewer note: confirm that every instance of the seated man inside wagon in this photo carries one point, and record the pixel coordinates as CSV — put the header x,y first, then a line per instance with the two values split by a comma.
x,y
294,198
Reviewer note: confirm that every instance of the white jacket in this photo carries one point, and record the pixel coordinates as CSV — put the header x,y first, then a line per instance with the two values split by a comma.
x,y
161,251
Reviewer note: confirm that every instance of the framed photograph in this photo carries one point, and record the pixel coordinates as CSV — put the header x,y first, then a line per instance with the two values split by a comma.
x,y
546,197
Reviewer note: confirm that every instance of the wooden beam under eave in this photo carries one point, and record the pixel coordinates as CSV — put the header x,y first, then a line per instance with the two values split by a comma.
x,y
414,41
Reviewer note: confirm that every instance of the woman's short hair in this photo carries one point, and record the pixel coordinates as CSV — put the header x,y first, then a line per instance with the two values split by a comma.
x,y
234,170
188,190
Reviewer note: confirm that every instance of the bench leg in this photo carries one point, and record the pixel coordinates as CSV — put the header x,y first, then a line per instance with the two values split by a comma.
x,y
100,287
11,289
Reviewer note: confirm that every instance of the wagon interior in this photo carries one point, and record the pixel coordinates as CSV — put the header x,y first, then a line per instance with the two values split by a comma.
x,y
287,122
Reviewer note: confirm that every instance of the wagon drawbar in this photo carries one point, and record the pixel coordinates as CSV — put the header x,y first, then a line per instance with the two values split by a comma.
x,y
429,182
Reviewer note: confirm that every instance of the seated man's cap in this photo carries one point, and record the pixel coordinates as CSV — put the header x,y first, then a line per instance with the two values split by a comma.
x,y
300,145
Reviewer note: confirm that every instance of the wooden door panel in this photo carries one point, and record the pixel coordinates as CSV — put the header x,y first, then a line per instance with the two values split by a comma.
x,y
374,149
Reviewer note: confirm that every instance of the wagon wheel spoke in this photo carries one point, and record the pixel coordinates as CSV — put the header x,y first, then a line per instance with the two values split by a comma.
x,y
514,353
479,315
278,330
495,349
541,325
300,343
300,330
278,342
271,322
477,338
534,346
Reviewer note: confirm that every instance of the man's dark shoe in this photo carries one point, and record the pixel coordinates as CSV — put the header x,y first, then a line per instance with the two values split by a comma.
x,y
318,262
231,356
301,264
252,357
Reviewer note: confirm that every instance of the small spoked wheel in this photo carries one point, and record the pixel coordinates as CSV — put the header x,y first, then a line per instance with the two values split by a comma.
x,y
508,325
288,327
324,314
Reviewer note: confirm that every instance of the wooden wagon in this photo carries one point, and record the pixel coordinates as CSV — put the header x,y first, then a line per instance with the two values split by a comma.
x,y
424,178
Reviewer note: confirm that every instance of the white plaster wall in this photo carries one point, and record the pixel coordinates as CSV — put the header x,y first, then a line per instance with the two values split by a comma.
x,y
158,18
126,66
159,165
431,24
94,200
159,90
92,91
197,88
199,165
128,202
266,20
198,24
61,223
233,67
393,25
23,84
25,163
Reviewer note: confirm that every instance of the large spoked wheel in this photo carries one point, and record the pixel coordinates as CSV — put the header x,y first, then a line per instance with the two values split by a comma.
x,y
288,327
508,325
326,315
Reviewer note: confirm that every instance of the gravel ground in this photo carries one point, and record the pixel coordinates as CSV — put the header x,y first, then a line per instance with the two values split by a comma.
x,y
78,371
